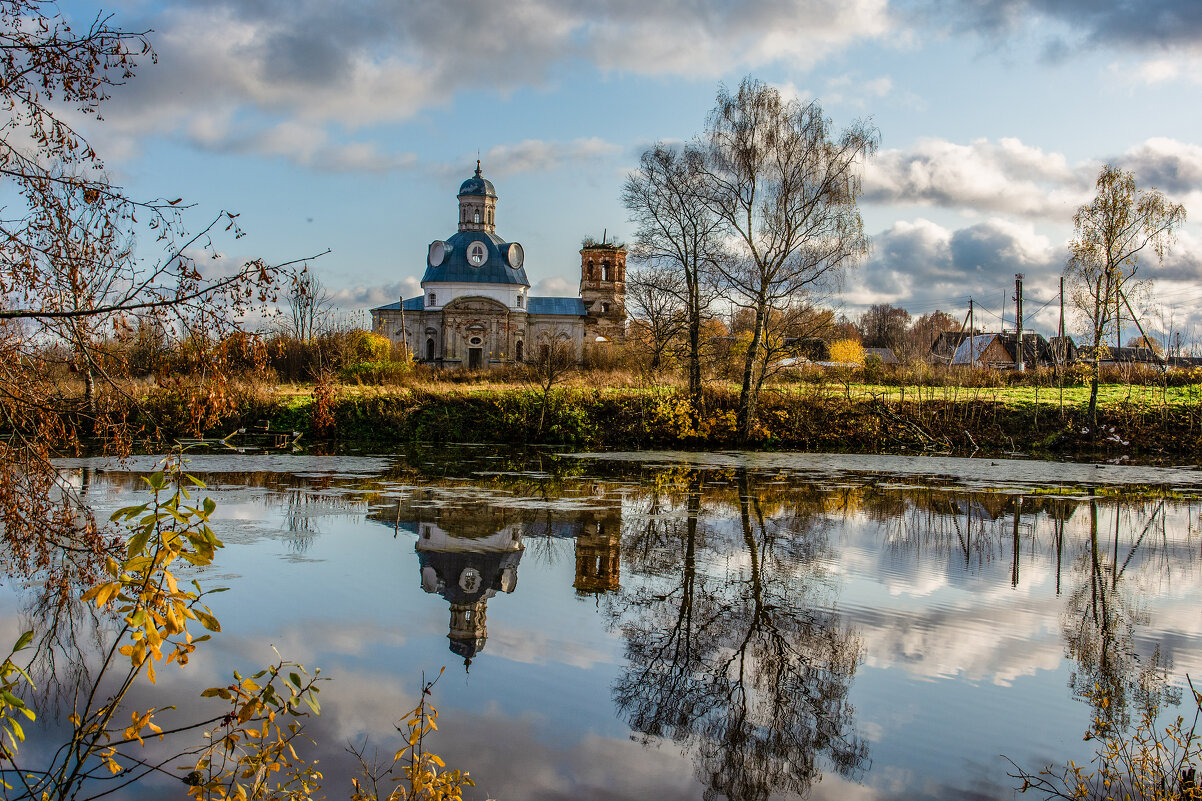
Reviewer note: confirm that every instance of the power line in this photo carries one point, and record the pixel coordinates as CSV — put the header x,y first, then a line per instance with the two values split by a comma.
x,y
1044,306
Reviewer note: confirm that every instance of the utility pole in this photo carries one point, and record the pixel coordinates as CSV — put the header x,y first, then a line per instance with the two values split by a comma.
x,y
1118,317
1164,365
972,341
1018,321
404,332
1061,362
1060,331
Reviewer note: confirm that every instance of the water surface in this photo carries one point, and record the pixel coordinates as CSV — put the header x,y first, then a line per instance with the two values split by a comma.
x,y
725,625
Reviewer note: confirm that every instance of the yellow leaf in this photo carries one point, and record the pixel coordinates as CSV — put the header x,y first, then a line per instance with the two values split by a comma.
x,y
207,620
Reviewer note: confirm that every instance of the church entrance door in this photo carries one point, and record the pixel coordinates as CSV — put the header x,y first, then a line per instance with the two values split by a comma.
x,y
475,358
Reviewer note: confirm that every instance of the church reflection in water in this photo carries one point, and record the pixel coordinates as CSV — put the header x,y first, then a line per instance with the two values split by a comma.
x,y
466,572
598,552
469,550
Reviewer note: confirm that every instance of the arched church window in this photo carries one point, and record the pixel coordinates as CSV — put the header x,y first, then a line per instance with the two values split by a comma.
x,y
605,308
477,216
432,301
606,271
518,350
430,349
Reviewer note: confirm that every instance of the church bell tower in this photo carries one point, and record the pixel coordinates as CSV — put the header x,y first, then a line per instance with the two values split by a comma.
x,y
478,204
603,290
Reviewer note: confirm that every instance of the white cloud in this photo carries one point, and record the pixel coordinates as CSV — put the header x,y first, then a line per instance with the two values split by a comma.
x,y
361,297
790,91
299,142
1153,70
224,65
1011,177
922,265
1169,165
535,155
879,87
555,286
984,176
712,38
855,90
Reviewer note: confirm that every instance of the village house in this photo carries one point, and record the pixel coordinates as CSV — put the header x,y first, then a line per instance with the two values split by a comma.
x,y
1000,351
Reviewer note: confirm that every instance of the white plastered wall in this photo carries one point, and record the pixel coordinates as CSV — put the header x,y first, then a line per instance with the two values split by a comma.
x,y
445,292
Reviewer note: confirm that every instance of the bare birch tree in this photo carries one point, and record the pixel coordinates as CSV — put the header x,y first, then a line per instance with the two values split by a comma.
x,y
785,187
1111,232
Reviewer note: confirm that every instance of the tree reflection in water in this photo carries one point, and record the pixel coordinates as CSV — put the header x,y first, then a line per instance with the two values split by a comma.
x,y
1101,618
728,652
725,605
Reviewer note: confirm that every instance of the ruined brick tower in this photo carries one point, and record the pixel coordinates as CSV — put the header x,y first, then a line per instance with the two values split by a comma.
x,y
603,291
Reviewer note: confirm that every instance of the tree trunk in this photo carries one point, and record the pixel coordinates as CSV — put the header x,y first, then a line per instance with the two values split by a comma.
x,y
745,417
695,363
89,382
89,395
1093,391
1099,329
694,357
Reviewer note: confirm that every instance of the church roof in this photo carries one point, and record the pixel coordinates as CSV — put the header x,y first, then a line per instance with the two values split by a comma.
x,y
569,306
477,185
449,567
494,270
411,304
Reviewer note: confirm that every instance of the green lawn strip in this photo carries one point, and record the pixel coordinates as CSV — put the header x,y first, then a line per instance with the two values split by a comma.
x,y
299,396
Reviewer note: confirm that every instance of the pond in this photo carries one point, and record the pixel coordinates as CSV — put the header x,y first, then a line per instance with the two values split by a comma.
x,y
676,625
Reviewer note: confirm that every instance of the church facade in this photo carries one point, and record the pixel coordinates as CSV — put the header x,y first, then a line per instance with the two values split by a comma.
x,y
476,310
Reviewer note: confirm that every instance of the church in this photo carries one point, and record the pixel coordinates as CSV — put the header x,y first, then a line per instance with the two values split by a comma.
x,y
476,309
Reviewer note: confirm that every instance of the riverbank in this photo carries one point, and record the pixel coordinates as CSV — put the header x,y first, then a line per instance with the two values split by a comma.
x,y
803,418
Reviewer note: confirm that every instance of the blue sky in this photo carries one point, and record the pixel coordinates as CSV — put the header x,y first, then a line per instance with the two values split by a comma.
x,y
349,126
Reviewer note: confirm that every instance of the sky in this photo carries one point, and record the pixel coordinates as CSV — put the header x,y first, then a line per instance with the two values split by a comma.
x,y
348,127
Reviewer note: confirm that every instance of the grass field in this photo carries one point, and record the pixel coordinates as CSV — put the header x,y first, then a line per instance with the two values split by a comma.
x,y
1017,396
587,410
1108,394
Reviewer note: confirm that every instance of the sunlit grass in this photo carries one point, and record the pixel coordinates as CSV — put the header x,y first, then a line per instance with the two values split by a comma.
x,y
298,395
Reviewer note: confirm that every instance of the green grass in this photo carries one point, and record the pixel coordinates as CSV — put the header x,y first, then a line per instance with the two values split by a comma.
x,y
1108,394
298,396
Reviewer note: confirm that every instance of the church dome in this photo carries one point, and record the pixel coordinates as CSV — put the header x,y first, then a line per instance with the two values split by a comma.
x,y
475,257
477,185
